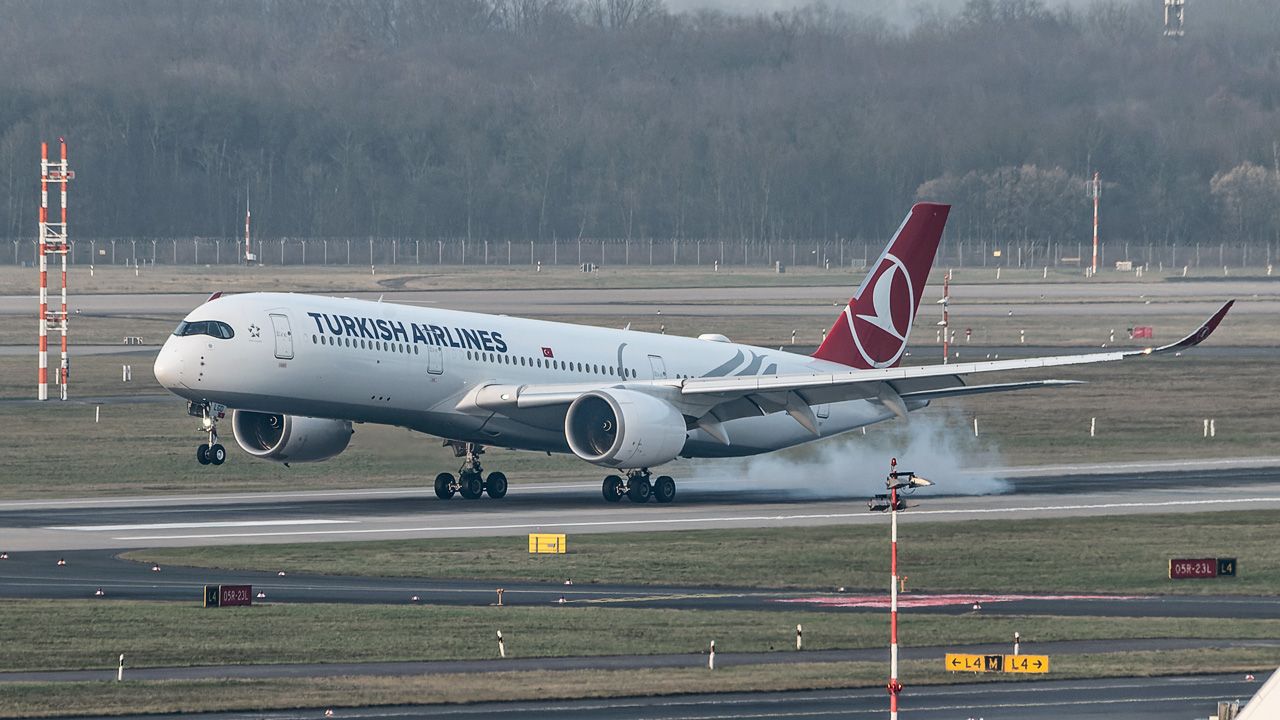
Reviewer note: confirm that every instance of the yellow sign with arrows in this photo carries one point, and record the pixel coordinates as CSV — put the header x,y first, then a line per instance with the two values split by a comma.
x,y
1026,663
965,663
957,662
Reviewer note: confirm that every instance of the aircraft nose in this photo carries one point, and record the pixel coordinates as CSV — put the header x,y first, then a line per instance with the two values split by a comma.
x,y
168,367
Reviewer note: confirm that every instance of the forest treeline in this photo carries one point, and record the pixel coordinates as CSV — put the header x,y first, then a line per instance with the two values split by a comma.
x,y
541,119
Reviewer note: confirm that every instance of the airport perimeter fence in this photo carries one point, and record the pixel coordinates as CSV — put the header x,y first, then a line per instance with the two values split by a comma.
x,y
826,254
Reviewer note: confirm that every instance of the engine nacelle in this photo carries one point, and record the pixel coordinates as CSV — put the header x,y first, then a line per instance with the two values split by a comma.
x,y
624,429
289,438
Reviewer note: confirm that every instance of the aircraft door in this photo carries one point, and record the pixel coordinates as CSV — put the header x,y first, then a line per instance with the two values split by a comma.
x,y
435,360
659,368
284,336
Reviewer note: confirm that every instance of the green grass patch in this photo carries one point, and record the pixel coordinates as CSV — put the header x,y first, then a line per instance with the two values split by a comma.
x,y
79,634
106,698
1120,554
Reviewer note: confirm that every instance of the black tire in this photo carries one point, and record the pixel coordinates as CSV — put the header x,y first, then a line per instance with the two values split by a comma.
x,y
444,486
202,454
471,486
217,454
496,485
664,489
613,488
640,490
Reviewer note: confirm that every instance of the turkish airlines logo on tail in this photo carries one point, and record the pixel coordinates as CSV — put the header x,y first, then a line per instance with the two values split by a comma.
x,y
881,334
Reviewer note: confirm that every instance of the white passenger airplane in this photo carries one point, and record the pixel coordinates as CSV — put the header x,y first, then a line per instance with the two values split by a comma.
x,y
300,369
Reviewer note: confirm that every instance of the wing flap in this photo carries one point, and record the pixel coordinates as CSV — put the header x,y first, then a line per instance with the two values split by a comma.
x,y
981,389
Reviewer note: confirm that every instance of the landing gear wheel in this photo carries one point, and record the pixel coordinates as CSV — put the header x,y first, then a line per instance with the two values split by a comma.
x,y
217,454
664,489
202,454
444,486
470,486
640,490
496,485
613,488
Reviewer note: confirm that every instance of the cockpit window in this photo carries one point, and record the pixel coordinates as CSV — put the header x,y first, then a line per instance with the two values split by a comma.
x,y
213,328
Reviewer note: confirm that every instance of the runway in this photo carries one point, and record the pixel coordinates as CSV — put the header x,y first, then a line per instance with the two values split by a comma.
x,y
576,507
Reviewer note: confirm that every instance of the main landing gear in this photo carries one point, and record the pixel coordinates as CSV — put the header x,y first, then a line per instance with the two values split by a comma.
x,y
638,487
469,484
210,453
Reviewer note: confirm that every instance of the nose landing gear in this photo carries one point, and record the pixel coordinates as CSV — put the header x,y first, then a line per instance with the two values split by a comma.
x,y
638,487
470,482
210,453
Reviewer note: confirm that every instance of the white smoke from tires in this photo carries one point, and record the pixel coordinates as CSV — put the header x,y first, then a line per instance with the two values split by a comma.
x,y
937,446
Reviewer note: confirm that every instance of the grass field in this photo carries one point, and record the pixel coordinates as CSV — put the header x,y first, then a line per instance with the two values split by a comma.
x,y
1121,554
74,634
45,699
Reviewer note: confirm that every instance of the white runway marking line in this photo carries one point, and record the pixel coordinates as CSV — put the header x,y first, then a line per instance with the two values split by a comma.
x,y
191,526
693,520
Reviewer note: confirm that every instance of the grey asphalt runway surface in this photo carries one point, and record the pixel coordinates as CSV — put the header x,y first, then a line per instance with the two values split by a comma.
x,y
1161,698
576,507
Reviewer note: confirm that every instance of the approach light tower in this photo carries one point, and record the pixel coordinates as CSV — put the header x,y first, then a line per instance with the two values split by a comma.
x,y
897,480
53,241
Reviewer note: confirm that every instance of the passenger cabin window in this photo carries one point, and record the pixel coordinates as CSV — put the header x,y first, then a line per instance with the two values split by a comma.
x,y
212,328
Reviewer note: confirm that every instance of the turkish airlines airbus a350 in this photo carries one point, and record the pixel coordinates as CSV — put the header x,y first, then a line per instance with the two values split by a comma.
x,y
300,369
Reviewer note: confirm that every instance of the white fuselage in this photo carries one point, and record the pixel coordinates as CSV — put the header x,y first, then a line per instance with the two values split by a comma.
x,y
408,366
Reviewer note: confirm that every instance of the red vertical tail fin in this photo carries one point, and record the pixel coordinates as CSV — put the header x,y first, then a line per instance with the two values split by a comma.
x,y
872,331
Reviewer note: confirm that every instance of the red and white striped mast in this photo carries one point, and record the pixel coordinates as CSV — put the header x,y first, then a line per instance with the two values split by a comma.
x,y
53,241
895,687
897,480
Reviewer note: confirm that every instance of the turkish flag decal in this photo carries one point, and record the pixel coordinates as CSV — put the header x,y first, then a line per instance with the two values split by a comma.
x,y
546,352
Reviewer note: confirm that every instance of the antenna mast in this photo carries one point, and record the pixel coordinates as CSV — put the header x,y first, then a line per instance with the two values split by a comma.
x,y
53,241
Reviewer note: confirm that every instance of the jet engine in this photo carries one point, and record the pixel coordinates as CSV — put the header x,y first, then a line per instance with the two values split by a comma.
x,y
289,438
624,429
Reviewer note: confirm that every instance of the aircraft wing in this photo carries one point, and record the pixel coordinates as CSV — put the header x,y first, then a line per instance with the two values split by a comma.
x,y
710,400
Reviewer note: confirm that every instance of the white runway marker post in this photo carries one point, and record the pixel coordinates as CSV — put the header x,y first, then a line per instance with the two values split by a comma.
x,y
711,659
502,649
799,638
120,669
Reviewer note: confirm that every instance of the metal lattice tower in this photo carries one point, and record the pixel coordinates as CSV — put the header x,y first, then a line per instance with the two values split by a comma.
x,y
53,241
